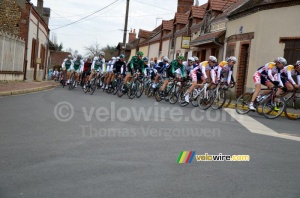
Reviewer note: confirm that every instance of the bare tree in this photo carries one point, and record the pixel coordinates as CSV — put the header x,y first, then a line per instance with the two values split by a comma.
x,y
92,50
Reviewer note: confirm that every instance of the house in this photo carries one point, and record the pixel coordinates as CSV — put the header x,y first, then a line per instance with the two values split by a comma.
x,y
260,31
57,58
212,29
30,24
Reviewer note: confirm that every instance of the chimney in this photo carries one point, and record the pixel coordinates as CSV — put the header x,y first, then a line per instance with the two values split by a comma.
x,y
132,35
183,6
40,5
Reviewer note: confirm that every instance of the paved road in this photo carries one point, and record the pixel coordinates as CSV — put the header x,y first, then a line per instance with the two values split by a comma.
x,y
62,143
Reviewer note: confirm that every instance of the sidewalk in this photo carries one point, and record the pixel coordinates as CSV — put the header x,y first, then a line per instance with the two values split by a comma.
x,y
8,88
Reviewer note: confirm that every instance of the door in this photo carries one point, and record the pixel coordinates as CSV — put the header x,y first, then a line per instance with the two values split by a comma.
x,y
242,70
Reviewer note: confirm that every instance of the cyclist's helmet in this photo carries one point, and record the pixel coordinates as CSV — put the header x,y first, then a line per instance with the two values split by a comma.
x,y
69,56
145,59
281,60
191,59
140,53
113,58
213,59
122,56
166,59
180,58
231,58
196,58
298,63
79,56
101,54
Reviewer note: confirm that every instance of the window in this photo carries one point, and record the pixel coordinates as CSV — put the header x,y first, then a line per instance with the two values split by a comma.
x,y
33,57
43,56
292,50
230,50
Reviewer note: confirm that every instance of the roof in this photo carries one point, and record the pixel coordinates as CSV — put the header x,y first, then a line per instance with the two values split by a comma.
x,y
220,5
167,25
144,33
169,35
231,8
181,18
155,38
206,38
253,6
182,31
198,11
196,26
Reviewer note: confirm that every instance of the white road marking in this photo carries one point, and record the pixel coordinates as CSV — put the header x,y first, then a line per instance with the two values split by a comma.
x,y
256,127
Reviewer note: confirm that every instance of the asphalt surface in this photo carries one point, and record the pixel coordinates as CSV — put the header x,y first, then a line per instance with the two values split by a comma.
x,y
105,148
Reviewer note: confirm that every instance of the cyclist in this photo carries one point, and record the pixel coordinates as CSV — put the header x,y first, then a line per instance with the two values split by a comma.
x,y
136,64
226,67
161,68
203,70
287,73
119,67
196,63
77,67
109,75
150,71
98,65
264,75
189,65
86,71
170,71
66,66
146,60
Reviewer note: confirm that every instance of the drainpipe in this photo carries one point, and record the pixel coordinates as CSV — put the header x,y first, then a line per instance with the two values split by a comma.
x,y
26,47
37,48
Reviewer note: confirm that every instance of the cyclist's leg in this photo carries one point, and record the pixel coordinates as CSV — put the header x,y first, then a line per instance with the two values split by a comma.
x,y
257,78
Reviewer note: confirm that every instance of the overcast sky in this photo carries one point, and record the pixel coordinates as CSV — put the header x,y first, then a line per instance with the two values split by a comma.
x,y
106,26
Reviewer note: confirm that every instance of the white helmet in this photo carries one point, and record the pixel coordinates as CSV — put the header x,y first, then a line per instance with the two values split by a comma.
x,y
79,56
101,54
281,60
113,58
213,59
191,59
166,59
196,58
232,58
185,63
69,56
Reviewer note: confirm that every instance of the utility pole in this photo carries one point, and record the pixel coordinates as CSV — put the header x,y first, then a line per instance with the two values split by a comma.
x,y
125,27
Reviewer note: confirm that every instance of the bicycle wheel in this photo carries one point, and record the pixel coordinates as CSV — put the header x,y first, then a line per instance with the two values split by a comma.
x,y
272,109
93,86
131,90
242,103
139,89
120,92
71,82
292,109
86,88
158,94
219,99
181,97
147,88
173,98
115,86
205,100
